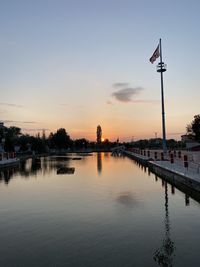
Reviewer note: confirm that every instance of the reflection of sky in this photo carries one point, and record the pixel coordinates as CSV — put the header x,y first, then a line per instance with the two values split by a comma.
x,y
62,56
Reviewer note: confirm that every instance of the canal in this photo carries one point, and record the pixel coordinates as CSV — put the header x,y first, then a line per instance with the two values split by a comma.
x,y
110,212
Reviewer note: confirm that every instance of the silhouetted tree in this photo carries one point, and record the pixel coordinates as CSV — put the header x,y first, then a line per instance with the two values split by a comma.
x,y
60,140
11,136
194,127
37,144
81,143
24,141
99,134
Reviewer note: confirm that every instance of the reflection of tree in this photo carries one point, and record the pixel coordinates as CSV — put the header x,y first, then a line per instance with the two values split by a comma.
x,y
32,167
6,174
99,162
164,255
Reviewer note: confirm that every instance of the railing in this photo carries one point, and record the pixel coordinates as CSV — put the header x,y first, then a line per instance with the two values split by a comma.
x,y
6,156
185,161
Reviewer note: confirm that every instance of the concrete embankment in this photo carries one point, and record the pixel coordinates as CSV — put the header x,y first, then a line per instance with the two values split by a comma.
x,y
173,173
139,158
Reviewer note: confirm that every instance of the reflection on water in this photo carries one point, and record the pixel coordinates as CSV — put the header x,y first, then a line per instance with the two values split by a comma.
x,y
187,200
32,167
87,220
99,162
165,254
172,189
127,199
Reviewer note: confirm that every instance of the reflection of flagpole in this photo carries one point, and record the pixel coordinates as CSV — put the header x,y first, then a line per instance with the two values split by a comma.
x,y
165,254
161,67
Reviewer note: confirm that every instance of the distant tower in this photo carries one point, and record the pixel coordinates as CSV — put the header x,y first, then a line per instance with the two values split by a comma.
x,y
99,134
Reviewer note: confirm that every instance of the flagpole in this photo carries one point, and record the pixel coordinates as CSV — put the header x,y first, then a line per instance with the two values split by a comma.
x,y
161,67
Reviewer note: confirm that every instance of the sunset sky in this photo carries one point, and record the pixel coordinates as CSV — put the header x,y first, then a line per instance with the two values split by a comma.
x,y
79,63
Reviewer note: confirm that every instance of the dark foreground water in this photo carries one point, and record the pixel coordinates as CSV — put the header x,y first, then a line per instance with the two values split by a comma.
x,y
110,212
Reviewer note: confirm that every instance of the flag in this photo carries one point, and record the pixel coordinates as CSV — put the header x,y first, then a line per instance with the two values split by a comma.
x,y
155,55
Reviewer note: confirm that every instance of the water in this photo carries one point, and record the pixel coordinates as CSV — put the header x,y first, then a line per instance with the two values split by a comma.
x,y
110,212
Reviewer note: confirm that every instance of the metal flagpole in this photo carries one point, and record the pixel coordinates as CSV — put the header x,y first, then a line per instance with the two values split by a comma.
x,y
161,67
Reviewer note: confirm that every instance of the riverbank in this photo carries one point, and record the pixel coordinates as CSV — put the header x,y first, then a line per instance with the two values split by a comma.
x,y
9,162
175,172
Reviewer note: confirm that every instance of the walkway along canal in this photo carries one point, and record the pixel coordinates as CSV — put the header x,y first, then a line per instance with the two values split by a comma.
x,y
184,174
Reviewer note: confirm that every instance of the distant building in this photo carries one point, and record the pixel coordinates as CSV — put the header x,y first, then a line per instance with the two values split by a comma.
x,y
190,142
187,138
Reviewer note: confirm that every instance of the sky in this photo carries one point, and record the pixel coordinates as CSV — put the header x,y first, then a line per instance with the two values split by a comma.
x,y
77,64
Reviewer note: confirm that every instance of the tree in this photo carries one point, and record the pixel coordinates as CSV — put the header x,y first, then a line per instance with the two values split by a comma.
x,y
24,141
37,144
60,140
81,143
11,136
99,134
194,127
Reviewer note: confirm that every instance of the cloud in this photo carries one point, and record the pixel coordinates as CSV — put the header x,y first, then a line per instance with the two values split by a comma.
x,y
10,105
146,101
26,122
120,85
126,94
34,130
179,133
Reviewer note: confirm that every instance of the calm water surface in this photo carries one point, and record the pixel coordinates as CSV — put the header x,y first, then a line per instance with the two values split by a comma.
x,y
110,212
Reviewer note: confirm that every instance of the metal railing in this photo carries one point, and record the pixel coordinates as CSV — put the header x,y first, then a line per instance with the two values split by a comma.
x,y
185,161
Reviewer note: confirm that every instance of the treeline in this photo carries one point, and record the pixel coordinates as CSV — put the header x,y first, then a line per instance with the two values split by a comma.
x,y
156,143
12,139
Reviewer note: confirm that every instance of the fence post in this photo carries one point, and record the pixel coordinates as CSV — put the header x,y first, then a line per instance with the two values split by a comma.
x,y
175,153
185,158
172,158
155,155
179,154
162,156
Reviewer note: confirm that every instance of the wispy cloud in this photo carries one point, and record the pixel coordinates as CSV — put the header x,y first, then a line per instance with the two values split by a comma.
x,y
126,94
34,130
10,105
146,101
179,133
120,85
25,122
